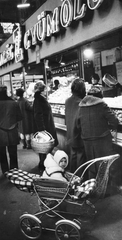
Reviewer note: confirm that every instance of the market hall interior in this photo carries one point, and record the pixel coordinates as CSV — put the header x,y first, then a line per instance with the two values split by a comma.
x,y
61,52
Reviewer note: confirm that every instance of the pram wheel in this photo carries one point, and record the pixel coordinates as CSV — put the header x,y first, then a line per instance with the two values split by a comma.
x,y
66,229
30,226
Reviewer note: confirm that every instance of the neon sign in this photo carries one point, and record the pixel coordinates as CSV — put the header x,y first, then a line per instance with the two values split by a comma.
x,y
17,38
94,4
50,23
7,55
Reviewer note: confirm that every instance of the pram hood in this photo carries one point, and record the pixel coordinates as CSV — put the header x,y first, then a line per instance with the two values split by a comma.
x,y
59,154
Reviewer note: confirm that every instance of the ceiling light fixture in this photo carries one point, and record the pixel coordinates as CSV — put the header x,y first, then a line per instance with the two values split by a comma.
x,y
88,53
23,5
62,63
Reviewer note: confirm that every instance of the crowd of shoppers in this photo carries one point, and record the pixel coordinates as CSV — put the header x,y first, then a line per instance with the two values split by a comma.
x,y
89,122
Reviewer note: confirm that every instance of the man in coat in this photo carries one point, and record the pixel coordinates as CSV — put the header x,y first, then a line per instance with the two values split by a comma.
x,y
77,152
10,114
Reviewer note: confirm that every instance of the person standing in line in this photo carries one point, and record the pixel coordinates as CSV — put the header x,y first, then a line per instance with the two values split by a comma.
x,y
10,115
76,147
43,118
26,125
94,121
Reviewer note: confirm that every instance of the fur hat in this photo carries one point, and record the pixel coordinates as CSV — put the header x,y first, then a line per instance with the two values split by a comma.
x,y
59,154
39,86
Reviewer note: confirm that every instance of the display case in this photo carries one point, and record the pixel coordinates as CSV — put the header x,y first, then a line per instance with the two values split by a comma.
x,y
116,105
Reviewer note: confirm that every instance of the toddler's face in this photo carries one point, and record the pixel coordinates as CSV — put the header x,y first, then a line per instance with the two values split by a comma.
x,y
63,163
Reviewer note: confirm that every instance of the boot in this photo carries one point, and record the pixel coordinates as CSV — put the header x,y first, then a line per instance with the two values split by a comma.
x,y
24,143
28,144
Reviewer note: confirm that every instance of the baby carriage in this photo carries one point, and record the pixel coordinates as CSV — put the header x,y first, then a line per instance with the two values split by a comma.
x,y
66,204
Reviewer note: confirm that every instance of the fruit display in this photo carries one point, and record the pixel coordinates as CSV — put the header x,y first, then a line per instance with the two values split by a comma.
x,y
118,113
60,95
115,104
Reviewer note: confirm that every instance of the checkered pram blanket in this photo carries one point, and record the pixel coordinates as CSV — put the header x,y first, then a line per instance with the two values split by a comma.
x,y
21,179
86,187
24,181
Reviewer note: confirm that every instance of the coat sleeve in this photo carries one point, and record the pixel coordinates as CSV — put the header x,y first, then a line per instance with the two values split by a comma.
x,y
18,112
28,106
111,117
38,117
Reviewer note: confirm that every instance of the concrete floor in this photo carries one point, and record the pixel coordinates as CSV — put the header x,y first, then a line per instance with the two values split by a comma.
x,y
13,203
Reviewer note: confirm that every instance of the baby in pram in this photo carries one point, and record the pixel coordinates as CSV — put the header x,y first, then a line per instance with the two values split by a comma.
x,y
55,168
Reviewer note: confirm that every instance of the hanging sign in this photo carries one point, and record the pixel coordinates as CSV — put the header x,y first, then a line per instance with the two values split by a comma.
x,y
7,55
17,38
50,23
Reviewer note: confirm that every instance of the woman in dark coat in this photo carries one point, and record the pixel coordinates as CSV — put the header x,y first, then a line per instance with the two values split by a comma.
x,y
76,147
10,115
43,118
26,125
93,123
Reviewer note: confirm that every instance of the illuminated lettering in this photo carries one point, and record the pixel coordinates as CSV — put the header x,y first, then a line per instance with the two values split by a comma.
x,y
33,34
41,29
27,41
79,10
53,22
66,13
94,4
49,23
7,55
17,38
18,53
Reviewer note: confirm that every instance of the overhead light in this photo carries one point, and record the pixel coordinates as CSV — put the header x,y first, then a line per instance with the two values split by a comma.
x,y
23,5
88,53
62,63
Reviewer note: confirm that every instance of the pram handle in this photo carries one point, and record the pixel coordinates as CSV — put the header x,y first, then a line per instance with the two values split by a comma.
x,y
111,158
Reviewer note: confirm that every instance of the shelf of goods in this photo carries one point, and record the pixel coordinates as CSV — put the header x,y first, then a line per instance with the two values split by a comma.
x,y
69,68
116,105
